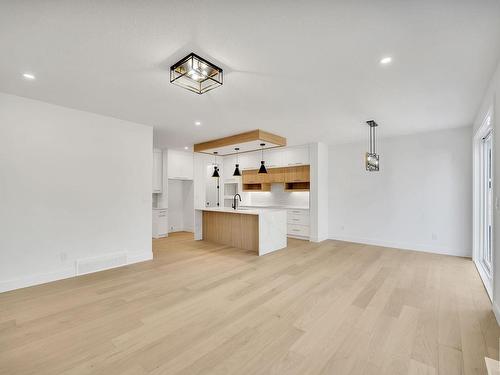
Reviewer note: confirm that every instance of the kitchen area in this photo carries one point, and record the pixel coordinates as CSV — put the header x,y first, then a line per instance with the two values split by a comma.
x,y
249,191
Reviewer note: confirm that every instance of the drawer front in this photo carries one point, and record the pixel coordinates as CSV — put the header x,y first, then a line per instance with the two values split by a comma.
x,y
298,230
298,212
298,219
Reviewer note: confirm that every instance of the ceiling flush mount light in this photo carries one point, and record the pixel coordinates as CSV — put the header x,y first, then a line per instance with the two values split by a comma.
x,y
385,60
237,168
216,168
196,74
371,157
29,76
262,168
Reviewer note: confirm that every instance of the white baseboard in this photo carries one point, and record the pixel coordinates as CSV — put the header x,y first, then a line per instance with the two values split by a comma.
x,y
436,249
40,278
64,273
319,239
139,256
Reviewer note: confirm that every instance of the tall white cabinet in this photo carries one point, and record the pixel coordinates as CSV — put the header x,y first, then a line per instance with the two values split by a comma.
x,y
157,171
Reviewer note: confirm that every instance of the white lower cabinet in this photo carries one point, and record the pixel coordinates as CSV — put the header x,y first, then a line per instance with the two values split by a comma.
x,y
160,223
298,223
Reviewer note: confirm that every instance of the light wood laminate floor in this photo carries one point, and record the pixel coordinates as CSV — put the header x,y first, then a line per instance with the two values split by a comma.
x,y
200,308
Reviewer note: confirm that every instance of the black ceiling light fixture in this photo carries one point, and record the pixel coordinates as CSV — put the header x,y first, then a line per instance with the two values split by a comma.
x,y
196,74
371,157
237,169
216,168
262,168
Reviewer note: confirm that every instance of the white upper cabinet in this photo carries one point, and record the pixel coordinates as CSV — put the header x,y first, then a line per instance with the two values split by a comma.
x,y
249,160
157,171
273,158
180,165
297,155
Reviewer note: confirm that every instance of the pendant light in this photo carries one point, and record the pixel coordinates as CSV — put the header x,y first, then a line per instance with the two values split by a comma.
x,y
262,168
371,157
216,169
237,169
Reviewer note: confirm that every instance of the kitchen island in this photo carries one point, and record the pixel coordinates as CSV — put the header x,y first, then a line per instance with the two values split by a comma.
x,y
260,230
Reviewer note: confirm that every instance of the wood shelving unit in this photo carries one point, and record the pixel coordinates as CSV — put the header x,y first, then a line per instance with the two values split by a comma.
x,y
295,178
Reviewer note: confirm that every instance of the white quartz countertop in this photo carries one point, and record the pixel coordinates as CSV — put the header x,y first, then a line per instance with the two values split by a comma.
x,y
278,207
242,210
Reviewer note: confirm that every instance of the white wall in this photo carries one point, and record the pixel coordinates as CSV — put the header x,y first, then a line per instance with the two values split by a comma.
x,y
420,199
73,186
492,100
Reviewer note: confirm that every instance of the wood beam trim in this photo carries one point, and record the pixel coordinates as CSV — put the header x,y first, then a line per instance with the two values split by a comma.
x,y
236,139
272,138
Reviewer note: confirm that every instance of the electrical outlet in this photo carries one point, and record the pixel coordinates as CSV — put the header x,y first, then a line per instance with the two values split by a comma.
x,y
434,236
171,227
63,256
342,227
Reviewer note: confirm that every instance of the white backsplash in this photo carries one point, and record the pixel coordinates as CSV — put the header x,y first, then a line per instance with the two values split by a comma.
x,y
277,197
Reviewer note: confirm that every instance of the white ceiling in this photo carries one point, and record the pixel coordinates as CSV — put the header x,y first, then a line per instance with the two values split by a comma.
x,y
307,70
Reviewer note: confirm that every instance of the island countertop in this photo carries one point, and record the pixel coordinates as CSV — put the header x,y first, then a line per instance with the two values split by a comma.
x,y
244,211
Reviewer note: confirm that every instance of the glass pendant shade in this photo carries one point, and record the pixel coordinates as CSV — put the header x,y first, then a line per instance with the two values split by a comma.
x,y
196,74
237,170
216,172
262,168
372,162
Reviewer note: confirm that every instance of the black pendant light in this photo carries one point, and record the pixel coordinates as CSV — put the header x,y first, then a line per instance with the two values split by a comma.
x,y
216,169
237,169
262,168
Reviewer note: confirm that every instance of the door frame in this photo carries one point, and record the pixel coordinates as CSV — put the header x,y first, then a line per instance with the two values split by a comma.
x,y
478,229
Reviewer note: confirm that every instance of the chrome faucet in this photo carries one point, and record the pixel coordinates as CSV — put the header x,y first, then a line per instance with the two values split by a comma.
x,y
235,202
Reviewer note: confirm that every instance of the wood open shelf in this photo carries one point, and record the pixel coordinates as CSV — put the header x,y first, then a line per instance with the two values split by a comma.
x,y
256,187
297,186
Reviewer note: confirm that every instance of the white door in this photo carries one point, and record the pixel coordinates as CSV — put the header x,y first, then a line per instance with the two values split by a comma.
x,y
486,248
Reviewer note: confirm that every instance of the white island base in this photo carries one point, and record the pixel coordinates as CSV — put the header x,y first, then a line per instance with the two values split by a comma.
x,y
260,230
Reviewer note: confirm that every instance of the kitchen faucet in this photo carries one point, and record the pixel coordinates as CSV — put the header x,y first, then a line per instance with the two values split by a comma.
x,y
235,202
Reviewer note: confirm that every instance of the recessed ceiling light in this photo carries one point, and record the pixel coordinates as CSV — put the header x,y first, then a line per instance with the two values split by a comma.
x,y
28,76
197,123
386,60
186,148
